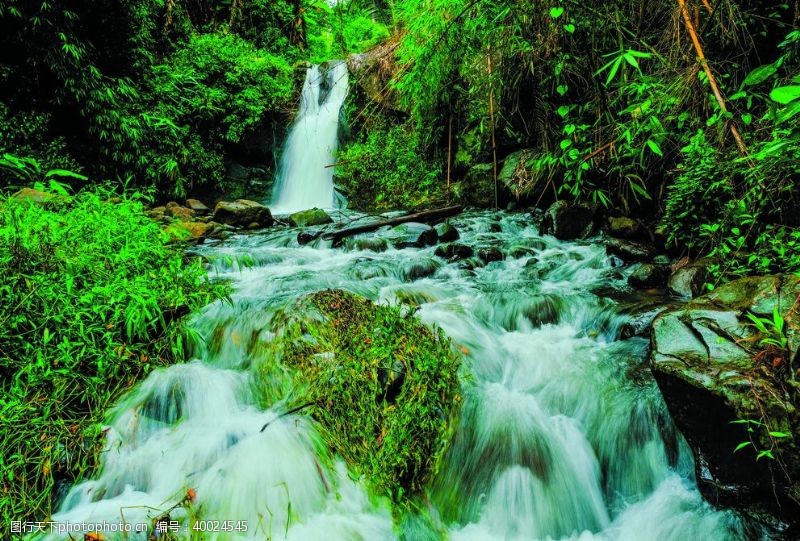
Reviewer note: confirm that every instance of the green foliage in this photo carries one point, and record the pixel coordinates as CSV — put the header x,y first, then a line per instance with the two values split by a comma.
x,y
387,169
382,385
340,30
90,299
754,427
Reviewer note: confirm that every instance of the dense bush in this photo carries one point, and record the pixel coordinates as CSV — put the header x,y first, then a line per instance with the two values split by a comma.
x,y
387,169
91,298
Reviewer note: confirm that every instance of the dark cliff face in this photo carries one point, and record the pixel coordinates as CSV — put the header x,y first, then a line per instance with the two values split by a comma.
x,y
727,388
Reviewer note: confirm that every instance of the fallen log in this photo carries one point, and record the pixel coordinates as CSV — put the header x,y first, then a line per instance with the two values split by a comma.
x,y
426,216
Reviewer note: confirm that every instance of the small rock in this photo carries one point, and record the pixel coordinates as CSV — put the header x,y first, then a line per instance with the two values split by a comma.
x,y
242,212
310,217
412,235
688,281
490,254
622,227
180,213
308,235
648,275
453,251
446,232
197,206
188,231
570,222
630,251
156,212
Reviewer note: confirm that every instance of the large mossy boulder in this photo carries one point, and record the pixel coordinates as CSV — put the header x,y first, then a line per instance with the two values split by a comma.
x,y
570,222
728,388
310,217
383,385
242,213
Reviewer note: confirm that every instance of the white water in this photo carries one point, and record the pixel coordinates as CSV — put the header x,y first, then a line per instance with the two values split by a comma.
x,y
556,441
305,175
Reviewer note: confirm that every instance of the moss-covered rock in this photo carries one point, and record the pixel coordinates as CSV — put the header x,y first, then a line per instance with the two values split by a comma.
x,y
728,388
382,385
310,217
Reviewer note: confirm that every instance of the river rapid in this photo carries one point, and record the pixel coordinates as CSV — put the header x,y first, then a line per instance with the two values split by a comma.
x,y
563,433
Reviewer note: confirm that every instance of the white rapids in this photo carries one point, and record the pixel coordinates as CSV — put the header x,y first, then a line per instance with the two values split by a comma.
x,y
563,435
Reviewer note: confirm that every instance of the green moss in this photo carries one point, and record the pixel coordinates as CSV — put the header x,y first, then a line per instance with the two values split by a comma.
x,y
383,386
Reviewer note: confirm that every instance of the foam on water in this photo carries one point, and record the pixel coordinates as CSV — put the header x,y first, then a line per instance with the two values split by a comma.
x,y
562,433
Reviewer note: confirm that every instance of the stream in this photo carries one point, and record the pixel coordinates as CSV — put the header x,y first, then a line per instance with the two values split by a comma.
x,y
563,433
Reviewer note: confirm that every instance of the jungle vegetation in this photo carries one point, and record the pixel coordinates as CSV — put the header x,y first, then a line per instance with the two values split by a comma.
x,y
682,113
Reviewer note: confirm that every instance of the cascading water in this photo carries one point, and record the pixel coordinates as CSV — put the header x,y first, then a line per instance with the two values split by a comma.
x,y
305,173
562,432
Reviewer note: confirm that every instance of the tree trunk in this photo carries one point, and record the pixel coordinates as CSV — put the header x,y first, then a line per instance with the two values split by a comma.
x,y
426,216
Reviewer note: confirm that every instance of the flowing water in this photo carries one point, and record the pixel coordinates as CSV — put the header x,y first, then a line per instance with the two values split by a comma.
x,y
305,173
563,434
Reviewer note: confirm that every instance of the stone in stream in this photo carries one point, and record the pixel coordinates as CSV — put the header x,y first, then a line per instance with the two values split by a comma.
x,y
570,222
630,251
689,281
308,235
714,372
446,232
198,207
623,227
241,213
412,235
310,217
649,275
489,254
453,251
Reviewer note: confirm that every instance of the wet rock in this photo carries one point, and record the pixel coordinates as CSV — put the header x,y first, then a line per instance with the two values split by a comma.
x,y
648,275
366,242
630,251
198,207
157,213
515,252
242,212
412,235
453,251
189,231
570,222
179,213
639,324
308,235
689,281
420,269
446,232
310,217
705,358
623,227
489,254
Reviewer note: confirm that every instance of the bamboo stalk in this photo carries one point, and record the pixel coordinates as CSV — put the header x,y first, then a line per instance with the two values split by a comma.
x,y
491,119
449,155
687,21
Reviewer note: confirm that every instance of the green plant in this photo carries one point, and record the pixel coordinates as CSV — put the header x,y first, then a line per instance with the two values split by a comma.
x,y
388,169
91,298
385,394
753,427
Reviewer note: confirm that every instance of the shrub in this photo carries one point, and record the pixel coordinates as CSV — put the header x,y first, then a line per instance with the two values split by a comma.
x,y
388,169
382,385
90,300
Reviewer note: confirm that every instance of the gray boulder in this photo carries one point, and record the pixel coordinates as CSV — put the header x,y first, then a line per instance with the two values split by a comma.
x,y
718,379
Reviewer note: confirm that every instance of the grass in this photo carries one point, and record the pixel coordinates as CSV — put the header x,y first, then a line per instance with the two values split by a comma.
x,y
91,299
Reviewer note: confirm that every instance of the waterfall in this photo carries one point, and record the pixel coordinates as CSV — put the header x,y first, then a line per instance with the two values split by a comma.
x,y
305,175
563,435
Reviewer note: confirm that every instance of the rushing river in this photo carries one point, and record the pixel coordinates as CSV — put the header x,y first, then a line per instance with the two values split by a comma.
x,y
563,433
